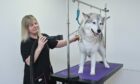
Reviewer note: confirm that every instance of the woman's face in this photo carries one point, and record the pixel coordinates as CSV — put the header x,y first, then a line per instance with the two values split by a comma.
x,y
33,27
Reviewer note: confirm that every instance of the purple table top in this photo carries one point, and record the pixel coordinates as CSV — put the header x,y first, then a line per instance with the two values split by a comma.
x,y
101,72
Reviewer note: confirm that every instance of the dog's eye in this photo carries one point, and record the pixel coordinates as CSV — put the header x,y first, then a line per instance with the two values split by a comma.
x,y
94,22
101,23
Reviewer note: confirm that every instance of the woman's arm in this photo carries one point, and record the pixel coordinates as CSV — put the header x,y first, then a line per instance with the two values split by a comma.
x,y
41,42
62,43
36,55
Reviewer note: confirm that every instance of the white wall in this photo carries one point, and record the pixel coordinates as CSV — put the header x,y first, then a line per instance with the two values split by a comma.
x,y
122,35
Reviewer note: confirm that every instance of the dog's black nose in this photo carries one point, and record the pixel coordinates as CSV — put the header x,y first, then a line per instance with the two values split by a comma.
x,y
98,30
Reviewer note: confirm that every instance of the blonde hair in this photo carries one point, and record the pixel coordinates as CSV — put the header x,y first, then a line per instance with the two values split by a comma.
x,y
26,21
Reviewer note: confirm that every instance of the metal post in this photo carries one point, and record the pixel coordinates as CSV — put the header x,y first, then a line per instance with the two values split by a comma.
x,y
70,76
68,39
105,26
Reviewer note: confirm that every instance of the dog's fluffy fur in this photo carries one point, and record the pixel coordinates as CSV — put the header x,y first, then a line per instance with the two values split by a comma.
x,y
91,40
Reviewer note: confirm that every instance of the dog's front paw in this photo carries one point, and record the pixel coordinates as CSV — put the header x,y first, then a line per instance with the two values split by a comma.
x,y
92,72
80,70
107,65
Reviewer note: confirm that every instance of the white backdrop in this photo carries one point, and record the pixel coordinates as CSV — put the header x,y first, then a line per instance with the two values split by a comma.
x,y
122,33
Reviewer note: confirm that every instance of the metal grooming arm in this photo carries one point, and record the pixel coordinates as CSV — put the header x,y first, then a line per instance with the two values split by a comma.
x,y
105,10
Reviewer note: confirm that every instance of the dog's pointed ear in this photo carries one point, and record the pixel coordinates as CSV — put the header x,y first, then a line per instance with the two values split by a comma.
x,y
105,18
86,16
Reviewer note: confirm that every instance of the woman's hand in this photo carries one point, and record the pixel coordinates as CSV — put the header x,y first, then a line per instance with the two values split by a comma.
x,y
41,42
75,38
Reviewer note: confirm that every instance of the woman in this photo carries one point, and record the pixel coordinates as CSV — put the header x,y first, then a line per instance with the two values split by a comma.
x,y
42,66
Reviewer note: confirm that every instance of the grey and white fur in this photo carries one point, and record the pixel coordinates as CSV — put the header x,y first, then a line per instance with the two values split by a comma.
x,y
91,40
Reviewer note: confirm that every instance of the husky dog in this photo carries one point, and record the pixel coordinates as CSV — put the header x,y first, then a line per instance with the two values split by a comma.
x,y
91,40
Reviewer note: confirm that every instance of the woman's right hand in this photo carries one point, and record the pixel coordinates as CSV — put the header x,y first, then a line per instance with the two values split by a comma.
x,y
42,41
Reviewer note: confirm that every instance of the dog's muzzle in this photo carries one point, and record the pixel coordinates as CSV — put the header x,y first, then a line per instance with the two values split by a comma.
x,y
95,34
98,32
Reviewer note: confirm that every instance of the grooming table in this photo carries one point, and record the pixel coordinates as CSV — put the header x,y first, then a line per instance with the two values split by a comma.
x,y
102,74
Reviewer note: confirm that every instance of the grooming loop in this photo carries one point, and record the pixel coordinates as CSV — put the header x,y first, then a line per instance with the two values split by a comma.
x,y
78,14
